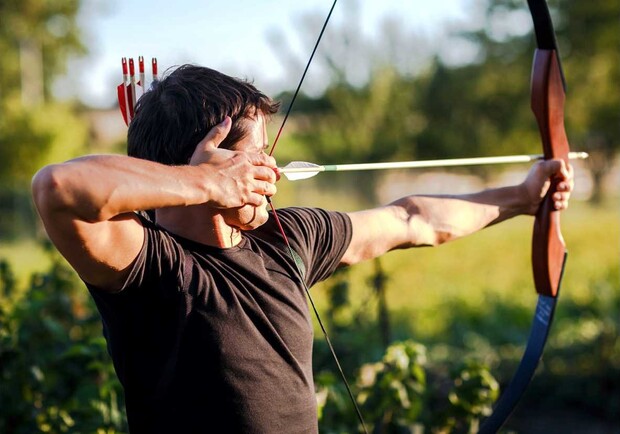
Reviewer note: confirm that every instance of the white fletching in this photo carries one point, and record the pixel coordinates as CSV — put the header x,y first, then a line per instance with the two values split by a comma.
x,y
297,170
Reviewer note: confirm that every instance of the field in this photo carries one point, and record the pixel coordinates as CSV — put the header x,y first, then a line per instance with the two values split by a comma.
x,y
476,296
492,264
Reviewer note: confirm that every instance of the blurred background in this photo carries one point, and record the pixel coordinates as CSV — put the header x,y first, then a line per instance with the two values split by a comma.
x,y
428,337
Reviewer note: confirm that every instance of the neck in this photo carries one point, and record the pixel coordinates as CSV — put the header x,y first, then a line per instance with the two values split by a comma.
x,y
199,224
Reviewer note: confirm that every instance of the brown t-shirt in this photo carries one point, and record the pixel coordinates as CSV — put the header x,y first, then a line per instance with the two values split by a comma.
x,y
210,340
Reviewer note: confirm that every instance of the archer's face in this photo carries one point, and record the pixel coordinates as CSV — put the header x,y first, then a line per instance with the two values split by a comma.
x,y
249,217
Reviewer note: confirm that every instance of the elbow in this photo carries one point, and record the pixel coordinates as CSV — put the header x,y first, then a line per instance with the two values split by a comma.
x,y
424,234
442,237
47,190
54,193
429,240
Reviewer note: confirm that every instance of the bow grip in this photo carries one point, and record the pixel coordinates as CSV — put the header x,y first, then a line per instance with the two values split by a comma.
x,y
548,248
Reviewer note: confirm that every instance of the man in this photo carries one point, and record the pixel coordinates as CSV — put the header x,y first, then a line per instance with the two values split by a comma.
x,y
202,306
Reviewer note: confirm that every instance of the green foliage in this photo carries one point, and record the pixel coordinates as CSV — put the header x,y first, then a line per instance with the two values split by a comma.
x,y
29,138
335,410
455,389
36,39
480,107
21,145
360,125
392,390
396,396
55,372
50,25
474,300
474,392
56,375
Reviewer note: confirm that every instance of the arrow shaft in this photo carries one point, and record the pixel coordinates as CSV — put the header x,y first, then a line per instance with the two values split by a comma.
x,y
424,163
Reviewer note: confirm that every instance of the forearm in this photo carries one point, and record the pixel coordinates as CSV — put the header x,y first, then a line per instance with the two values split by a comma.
x,y
433,220
415,221
97,188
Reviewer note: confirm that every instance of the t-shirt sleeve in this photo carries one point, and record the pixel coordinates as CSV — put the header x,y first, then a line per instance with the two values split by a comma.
x,y
160,260
319,237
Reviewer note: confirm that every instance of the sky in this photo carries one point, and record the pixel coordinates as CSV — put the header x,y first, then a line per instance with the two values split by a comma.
x,y
231,36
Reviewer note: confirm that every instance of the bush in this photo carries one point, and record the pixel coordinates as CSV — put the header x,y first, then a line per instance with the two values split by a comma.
x,y
55,371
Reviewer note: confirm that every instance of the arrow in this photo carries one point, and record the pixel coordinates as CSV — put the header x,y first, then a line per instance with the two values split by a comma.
x,y
297,170
121,90
131,93
141,85
130,90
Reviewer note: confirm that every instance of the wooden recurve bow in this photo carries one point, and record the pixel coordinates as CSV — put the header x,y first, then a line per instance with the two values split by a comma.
x,y
548,249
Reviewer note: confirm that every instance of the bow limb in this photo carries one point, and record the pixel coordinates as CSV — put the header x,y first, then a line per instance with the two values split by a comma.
x,y
548,248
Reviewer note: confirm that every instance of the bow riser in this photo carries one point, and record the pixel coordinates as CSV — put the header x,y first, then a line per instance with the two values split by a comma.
x,y
548,248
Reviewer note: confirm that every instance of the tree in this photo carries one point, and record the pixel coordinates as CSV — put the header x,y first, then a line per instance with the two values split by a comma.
x,y
36,39
587,34
478,107
365,109
591,32
43,31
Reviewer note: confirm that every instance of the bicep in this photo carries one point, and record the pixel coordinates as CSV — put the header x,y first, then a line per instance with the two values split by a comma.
x,y
100,252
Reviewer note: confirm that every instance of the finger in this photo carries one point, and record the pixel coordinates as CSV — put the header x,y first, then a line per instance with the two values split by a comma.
x,y
216,135
255,199
552,167
262,159
560,204
265,174
269,189
566,171
564,186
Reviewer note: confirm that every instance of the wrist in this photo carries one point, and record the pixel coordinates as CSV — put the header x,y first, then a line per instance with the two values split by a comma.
x,y
203,184
524,202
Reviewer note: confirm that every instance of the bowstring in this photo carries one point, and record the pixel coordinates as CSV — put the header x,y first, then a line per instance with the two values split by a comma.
x,y
285,238
318,317
301,80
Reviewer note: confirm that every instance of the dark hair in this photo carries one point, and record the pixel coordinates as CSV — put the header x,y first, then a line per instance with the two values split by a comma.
x,y
176,114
